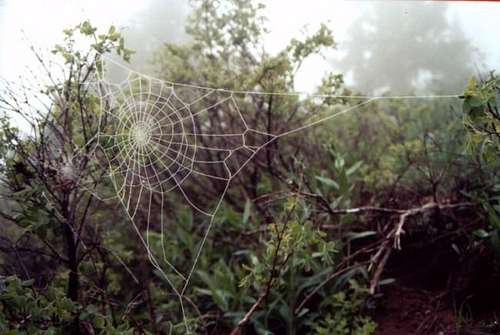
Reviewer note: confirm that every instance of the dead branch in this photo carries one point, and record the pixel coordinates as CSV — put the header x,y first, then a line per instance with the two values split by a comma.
x,y
380,259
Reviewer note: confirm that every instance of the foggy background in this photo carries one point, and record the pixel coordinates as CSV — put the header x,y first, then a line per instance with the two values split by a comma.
x,y
404,47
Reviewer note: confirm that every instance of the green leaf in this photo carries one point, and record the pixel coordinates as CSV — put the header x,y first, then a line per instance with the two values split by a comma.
x,y
354,168
28,283
356,236
328,182
481,233
87,29
386,281
246,212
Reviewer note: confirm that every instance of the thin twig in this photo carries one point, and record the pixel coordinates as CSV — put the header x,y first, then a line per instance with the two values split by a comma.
x,y
274,271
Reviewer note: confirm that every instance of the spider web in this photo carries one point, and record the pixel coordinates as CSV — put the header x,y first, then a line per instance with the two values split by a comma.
x,y
159,138
156,141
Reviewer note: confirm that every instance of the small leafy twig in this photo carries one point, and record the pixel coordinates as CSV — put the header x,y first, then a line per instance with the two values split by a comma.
x,y
273,273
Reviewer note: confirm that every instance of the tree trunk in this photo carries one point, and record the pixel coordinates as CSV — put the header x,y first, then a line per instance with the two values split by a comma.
x,y
73,280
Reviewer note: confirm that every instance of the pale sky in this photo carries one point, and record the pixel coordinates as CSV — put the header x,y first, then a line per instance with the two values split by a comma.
x,y
25,22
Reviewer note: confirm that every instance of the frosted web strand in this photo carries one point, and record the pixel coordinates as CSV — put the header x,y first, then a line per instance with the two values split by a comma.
x,y
133,72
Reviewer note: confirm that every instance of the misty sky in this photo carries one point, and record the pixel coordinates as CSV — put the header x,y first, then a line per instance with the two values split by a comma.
x,y
148,23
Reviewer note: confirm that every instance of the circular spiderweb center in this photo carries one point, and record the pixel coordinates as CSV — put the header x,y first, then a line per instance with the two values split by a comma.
x,y
141,133
155,141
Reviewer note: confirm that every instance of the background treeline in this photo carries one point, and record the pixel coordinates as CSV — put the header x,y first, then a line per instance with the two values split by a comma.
x,y
311,235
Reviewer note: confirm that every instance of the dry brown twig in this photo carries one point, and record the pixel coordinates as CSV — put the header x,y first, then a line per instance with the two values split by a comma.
x,y
395,235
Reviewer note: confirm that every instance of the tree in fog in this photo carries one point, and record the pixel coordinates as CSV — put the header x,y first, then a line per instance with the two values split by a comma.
x,y
161,21
408,47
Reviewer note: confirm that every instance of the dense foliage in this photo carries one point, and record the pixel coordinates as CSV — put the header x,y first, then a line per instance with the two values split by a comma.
x,y
304,240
